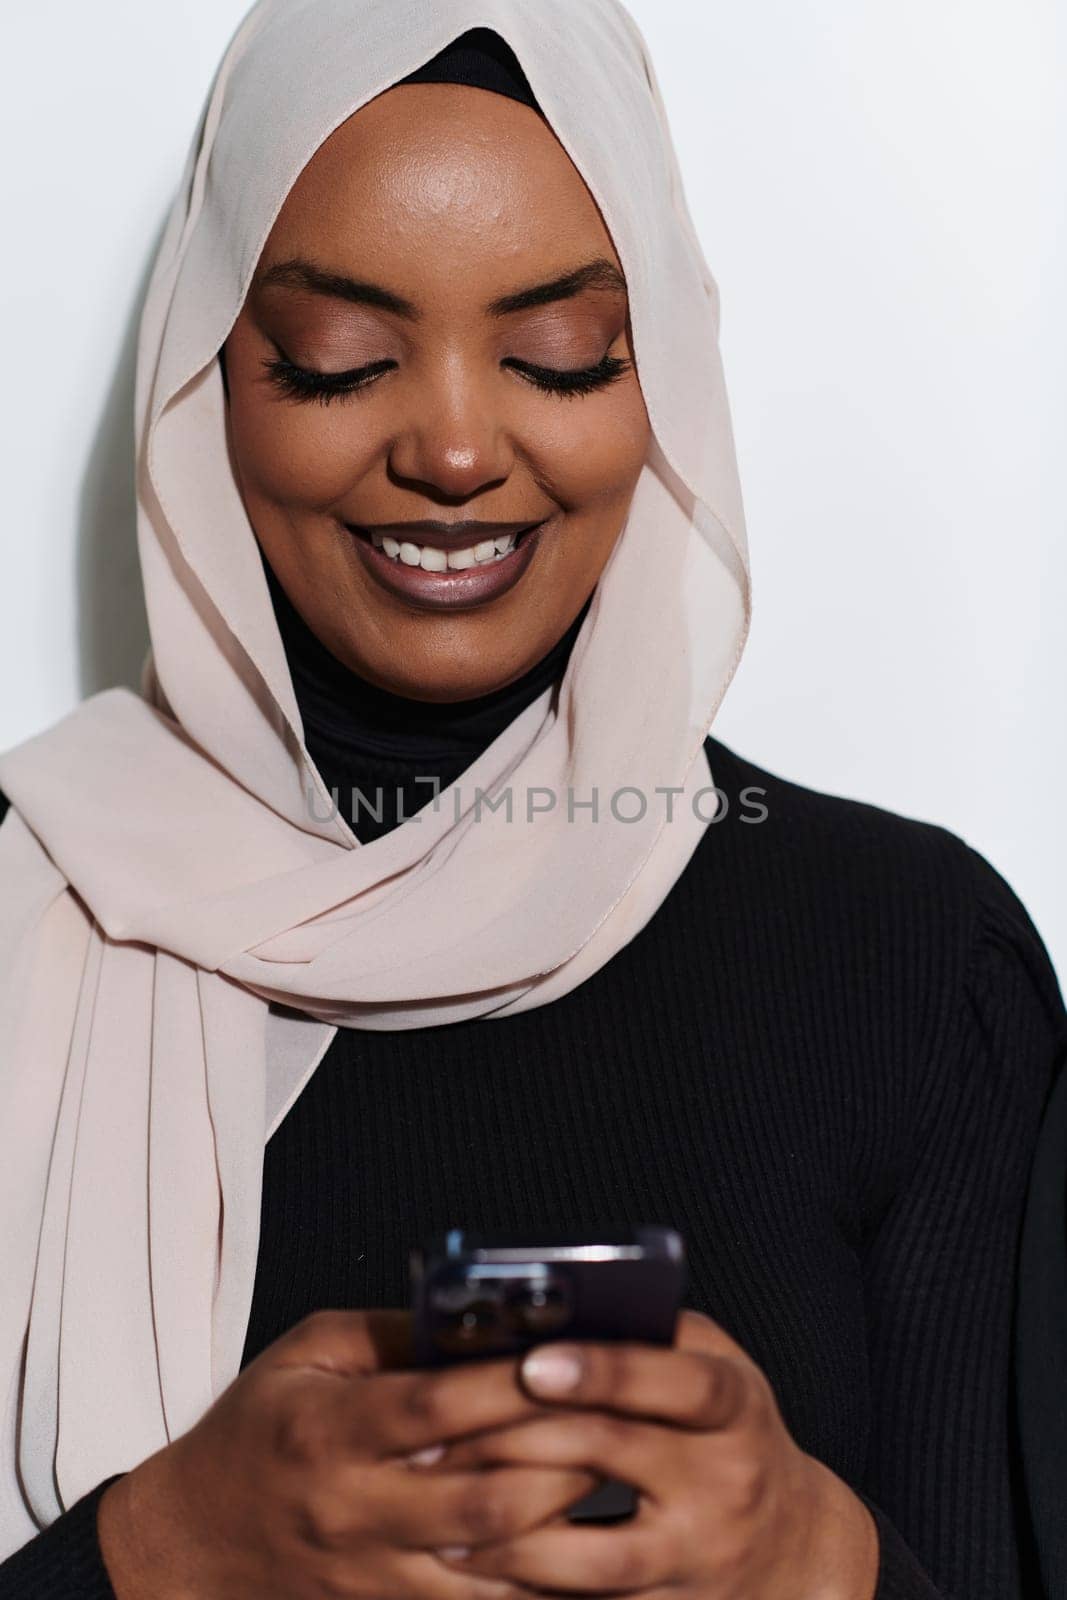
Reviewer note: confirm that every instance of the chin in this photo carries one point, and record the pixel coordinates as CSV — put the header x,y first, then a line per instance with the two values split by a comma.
x,y
442,689
442,660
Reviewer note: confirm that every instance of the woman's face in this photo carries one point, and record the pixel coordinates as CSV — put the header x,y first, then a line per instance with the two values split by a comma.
x,y
437,333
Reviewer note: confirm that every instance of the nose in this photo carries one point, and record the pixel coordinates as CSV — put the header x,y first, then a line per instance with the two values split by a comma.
x,y
453,443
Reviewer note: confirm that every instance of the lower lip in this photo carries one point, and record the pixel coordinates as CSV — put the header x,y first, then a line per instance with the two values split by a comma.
x,y
451,590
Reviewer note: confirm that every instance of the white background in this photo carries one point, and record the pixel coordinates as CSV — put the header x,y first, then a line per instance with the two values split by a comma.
x,y
879,188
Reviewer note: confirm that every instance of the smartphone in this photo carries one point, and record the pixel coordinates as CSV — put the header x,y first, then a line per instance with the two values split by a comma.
x,y
479,1296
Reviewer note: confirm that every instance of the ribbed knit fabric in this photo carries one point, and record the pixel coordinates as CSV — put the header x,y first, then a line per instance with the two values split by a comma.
x,y
63,1562
824,1060
1041,1343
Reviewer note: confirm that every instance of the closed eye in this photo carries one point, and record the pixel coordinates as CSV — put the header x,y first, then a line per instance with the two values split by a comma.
x,y
303,383
578,380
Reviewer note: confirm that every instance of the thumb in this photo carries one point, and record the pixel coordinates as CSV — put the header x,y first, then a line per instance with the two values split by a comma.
x,y
354,1343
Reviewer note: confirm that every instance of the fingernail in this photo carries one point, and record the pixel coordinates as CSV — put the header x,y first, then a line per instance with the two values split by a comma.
x,y
427,1457
552,1371
454,1552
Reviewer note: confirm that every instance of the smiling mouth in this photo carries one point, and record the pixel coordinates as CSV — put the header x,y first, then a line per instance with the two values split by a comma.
x,y
484,545
449,566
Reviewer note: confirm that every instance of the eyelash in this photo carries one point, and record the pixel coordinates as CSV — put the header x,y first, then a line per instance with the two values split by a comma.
x,y
301,383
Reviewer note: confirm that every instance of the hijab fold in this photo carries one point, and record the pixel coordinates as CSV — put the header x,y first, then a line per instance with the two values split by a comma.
x,y
178,947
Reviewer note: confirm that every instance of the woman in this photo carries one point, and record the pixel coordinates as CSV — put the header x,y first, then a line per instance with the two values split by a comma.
x,y
437,491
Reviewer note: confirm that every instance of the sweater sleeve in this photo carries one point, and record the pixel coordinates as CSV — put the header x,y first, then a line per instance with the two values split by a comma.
x,y
64,1562
1041,1345
940,1266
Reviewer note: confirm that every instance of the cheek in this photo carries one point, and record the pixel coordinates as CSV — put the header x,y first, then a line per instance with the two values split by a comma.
x,y
591,450
299,455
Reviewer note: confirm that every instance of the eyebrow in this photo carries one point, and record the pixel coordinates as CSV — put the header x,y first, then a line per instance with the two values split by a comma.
x,y
298,273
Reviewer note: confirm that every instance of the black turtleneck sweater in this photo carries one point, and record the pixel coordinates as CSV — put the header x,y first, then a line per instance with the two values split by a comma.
x,y
824,1060
367,742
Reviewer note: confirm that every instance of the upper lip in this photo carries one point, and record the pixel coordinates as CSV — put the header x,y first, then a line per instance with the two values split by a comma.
x,y
445,535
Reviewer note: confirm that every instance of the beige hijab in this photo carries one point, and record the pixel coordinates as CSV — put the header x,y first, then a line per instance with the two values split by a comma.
x,y
181,933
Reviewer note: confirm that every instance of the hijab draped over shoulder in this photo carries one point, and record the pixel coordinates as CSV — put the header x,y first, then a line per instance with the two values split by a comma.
x,y
179,943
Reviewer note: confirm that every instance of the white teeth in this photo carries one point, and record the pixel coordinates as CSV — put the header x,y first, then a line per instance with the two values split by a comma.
x,y
431,558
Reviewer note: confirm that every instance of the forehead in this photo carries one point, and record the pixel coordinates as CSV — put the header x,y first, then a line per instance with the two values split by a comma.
x,y
434,173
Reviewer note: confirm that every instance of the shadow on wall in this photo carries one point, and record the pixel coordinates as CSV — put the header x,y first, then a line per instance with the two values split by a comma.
x,y
112,623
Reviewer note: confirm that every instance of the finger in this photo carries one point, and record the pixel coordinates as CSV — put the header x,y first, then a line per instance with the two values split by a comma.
x,y
695,1331
622,1559
691,1388
430,1578
346,1342
404,1412
422,1512
646,1455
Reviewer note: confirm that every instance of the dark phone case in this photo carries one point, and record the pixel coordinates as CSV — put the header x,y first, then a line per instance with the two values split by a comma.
x,y
479,1296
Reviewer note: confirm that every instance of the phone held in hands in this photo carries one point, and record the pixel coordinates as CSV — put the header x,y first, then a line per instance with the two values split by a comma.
x,y
479,1296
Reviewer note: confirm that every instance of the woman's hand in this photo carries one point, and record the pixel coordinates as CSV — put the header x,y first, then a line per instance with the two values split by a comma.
x,y
295,1484
730,1507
